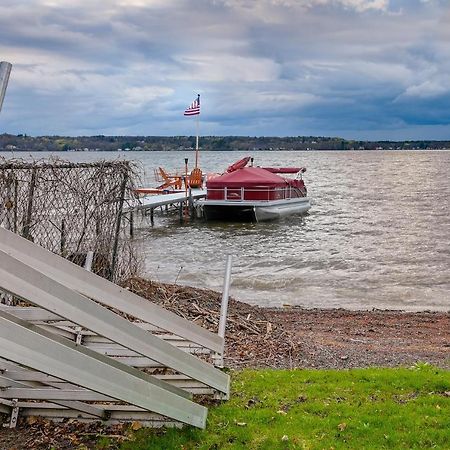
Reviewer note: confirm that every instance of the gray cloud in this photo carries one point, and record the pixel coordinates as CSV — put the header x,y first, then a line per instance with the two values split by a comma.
x,y
354,68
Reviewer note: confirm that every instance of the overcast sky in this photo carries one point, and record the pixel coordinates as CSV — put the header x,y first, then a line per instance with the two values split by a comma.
x,y
359,69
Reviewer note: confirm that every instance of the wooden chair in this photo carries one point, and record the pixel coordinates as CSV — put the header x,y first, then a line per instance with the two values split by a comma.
x,y
170,180
196,178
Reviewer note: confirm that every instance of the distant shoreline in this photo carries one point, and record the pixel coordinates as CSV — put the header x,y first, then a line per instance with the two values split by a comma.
x,y
23,142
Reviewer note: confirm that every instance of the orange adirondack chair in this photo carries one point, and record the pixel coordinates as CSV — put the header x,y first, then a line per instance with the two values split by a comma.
x,y
196,178
175,181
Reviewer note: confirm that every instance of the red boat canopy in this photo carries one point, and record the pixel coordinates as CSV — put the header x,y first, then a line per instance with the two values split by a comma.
x,y
247,177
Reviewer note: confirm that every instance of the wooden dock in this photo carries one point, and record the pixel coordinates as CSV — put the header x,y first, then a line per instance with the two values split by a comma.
x,y
153,201
182,200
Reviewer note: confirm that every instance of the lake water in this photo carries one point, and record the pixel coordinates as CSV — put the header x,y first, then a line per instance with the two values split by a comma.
x,y
377,235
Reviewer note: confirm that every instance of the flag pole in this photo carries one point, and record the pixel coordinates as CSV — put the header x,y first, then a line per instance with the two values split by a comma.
x,y
197,133
196,145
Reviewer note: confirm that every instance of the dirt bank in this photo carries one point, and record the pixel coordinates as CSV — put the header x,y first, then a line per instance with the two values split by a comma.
x,y
279,338
320,338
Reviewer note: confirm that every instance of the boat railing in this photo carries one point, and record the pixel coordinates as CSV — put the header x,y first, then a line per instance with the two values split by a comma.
x,y
240,194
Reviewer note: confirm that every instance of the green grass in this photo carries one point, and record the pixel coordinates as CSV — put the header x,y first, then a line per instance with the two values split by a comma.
x,y
321,409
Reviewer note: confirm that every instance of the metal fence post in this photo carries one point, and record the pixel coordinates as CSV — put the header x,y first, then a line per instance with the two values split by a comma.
x,y
27,224
225,297
62,249
89,260
9,203
218,359
118,224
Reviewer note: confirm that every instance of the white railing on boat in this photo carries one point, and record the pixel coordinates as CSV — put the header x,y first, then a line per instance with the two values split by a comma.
x,y
245,194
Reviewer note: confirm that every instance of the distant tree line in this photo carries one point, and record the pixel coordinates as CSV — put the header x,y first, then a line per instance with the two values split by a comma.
x,y
22,142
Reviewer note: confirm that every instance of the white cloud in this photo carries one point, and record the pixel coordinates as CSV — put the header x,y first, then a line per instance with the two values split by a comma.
x,y
134,99
227,68
358,5
427,89
264,103
365,5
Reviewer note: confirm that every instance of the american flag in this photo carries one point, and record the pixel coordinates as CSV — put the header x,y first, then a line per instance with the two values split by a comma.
x,y
194,108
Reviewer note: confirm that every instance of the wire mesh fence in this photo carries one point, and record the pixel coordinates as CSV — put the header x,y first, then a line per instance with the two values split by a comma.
x,y
72,209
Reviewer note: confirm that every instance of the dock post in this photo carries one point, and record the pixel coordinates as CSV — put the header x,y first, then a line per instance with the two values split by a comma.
x,y
180,210
191,205
152,220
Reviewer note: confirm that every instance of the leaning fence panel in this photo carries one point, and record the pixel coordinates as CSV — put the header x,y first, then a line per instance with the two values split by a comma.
x,y
71,209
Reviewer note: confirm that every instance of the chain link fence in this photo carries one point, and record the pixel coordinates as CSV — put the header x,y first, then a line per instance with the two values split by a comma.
x,y
72,209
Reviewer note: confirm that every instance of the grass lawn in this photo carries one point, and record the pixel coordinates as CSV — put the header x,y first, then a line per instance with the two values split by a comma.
x,y
321,409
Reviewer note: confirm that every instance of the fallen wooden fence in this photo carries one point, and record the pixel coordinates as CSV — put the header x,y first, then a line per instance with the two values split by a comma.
x,y
70,355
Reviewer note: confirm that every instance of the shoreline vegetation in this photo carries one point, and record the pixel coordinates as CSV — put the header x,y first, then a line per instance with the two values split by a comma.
x,y
396,364
23,142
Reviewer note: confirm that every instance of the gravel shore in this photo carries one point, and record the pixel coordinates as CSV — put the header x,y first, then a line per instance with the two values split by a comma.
x,y
335,339
310,338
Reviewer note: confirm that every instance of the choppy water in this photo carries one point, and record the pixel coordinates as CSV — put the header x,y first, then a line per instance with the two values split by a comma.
x,y
377,236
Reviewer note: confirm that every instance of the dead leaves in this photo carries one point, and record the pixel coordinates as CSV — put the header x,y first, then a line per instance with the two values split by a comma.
x,y
136,426
39,433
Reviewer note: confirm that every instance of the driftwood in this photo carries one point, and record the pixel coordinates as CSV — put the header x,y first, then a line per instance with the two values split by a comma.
x,y
250,333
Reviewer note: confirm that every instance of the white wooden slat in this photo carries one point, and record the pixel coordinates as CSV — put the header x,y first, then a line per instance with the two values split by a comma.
x,y
86,351
31,375
30,313
55,394
117,350
139,362
105,292
36,349
147,327
57,415
83,407
8,365
93,410
38,379
7,382
27,283
60,332
92,337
